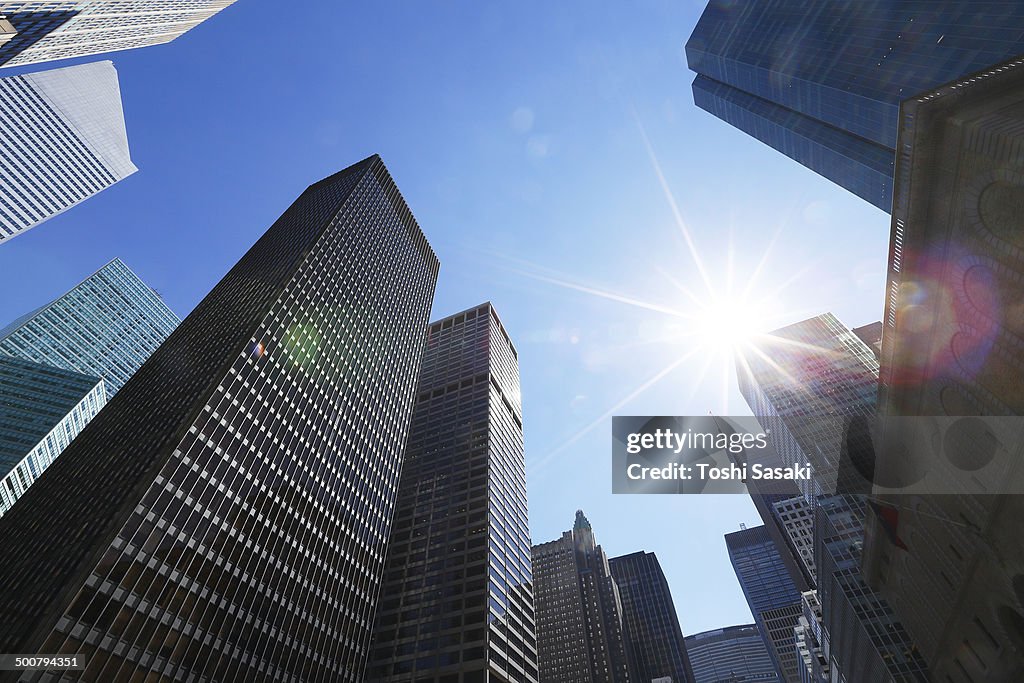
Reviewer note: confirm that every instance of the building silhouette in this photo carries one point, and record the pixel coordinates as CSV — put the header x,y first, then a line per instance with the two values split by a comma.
x,y
580,626
64,141
822,82
734,654
34,31
654,639
457,594
226,515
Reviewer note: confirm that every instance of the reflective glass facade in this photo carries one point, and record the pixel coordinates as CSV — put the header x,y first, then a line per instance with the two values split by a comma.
x,y
735,654
64,140
772,596
797,376
42,409
225,517
60,29
821,82
106,326
580,628
456,604
655,640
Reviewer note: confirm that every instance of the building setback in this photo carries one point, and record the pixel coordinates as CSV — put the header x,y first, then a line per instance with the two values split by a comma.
x,y
42,408
580,627
772,596
822,82
226,515
44,30
734,654
457,596
654,639
64,140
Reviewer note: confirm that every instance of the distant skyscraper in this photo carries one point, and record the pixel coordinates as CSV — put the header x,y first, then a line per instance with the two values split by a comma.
x,y
734,654
226,515
64,140
45,30
821,82
106,326
796,518
42,409
457,594
773,598
580,627
654,638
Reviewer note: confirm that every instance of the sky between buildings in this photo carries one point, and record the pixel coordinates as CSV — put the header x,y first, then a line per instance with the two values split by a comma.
x,y
538,145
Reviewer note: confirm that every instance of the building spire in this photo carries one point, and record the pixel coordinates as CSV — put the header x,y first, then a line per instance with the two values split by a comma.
x,y
581,522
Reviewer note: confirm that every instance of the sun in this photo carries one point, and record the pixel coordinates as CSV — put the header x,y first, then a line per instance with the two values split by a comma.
x,y
728,323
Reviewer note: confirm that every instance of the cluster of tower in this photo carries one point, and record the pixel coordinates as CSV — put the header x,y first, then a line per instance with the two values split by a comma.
x,y
901,560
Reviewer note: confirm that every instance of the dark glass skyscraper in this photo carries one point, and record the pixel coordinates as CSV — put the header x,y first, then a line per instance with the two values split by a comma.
x,y
580,628
773,598
735,654
654,639
821,82
225,517
457,599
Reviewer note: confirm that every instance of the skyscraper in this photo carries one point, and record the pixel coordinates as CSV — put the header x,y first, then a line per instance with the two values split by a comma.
x,y
580,628
42,408
45,30
226,515
773,598
822,82
457,595
654,639
817,394
106,326
734,654
805,383
952,566
64,141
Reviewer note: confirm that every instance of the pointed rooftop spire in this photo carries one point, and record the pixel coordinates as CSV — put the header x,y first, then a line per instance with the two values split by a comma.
x,y
581,522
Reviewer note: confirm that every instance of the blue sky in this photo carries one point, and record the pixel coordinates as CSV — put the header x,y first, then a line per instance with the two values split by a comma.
x,y
527,138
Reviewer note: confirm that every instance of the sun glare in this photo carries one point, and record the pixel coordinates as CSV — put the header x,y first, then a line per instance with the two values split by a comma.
x,y
728,323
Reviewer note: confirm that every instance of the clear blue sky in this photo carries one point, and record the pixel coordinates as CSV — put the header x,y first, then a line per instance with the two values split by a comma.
x,y
516,132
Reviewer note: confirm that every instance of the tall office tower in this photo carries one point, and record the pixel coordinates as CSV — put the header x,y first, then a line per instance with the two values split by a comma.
x,y
457,596
822,82
734,654
106,326
801,381
44,30
42,408
226,515
952,566
65,141
773,598
820,384
655,640
866,640
580,628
